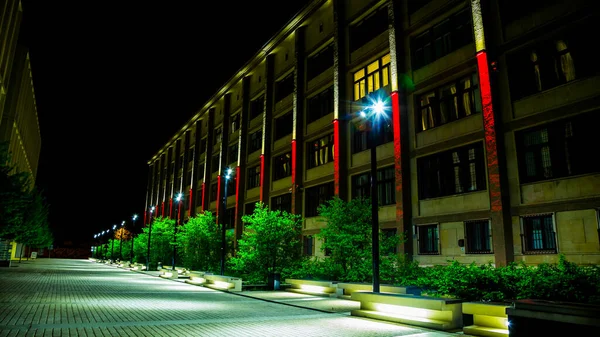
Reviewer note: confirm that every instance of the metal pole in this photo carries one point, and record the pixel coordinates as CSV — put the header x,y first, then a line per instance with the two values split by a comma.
x,y
175,232
112,248
223,245
149,234
121,245
132,240
374,208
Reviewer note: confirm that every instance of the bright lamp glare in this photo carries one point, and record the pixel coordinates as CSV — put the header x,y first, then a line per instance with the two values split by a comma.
x,y
229,170
363,114
378,107
179,196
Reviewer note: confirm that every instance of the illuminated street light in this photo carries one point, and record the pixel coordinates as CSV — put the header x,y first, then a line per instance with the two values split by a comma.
x,y
149,233
112,248
371,112
178,199
121,242
132,239
228,174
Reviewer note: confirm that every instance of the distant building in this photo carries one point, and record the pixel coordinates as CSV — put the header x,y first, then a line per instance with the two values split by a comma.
x,y
487,154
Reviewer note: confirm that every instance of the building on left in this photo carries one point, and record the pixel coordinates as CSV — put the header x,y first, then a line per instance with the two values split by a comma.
x,y
19,125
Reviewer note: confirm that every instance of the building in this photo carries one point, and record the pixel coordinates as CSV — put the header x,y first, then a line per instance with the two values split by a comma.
x,y
484,152
18,112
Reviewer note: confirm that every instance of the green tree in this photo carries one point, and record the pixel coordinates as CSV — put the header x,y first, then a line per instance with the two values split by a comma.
x,y
199,242
269,244
14,196
161,242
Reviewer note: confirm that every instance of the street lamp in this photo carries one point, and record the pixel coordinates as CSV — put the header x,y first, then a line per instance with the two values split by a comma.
x,y
149,233
101,244
112,248
121,241
375,109
228,173
178,199
132,239
94,246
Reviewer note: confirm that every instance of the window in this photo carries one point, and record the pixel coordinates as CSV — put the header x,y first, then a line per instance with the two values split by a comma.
x,y
282,166
307,243
254,176
284,125
451,102
282,202
550,63
509,14
257,106
360,138
213,191
478,236
249,208
316,196
388,234
230,186
558,149
255,141
232,153
320,105
214,164
284,87
369,28
374,76
428,239
218,135
190,156
320,151
386,192
538,234
444,38
460,170
235,123
202,146
229,219
415,5
318,63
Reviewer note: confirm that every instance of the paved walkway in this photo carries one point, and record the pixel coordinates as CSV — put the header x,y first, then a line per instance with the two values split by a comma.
x,y
60,297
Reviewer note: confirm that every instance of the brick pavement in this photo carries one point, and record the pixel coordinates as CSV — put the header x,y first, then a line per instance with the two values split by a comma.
x,y
60,297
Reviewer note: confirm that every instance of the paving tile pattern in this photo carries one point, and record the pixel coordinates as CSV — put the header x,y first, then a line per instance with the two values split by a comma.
x,y
59,297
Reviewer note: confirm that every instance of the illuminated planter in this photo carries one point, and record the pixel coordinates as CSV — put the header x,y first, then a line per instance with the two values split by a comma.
x,y
312,287
221,282
488,319
347,289
173,274
196,277
428,312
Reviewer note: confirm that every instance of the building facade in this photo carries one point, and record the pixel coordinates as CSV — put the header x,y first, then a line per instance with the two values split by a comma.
x,y
481,154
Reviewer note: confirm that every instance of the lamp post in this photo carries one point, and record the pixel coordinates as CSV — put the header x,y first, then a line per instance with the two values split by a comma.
x,y
101,245
149,233
132,239
372,112
94,246
121,241
112,248
178,199
223,243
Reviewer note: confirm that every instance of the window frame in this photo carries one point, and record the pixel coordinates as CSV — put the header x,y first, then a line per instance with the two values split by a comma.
x,y
311,151
287,163
468,243
420,246
253,177
527,239
360,85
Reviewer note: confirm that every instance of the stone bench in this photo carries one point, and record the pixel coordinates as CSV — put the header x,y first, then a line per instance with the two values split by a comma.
x,y
173,274
220,282
485,319
547,318
429,312
347,289
138,267
312,287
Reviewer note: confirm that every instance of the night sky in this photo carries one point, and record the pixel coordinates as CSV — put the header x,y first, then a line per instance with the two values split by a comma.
x,y
114,83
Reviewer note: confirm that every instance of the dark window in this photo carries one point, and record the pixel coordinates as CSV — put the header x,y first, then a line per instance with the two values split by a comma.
x,y
558,149
215,163
369,28
457,171
190,156
218,135
202,148
213,191
415,5
254,177
229,219
320,151
257,106
374,76
232,153
389,233
307,248
538,234
478,235
386,182
319,62
235,123
284,87
282,202
283,125
448,103
550,63
249,208
444,38
255,141
316,196
320,105
282,166
428,240
509,13
383,131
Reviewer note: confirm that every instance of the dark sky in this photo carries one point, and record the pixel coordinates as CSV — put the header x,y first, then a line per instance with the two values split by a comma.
x,y
115,80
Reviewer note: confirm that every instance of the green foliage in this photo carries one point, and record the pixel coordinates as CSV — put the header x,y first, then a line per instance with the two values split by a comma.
x,y
199,243
270,244
161,242
564,281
